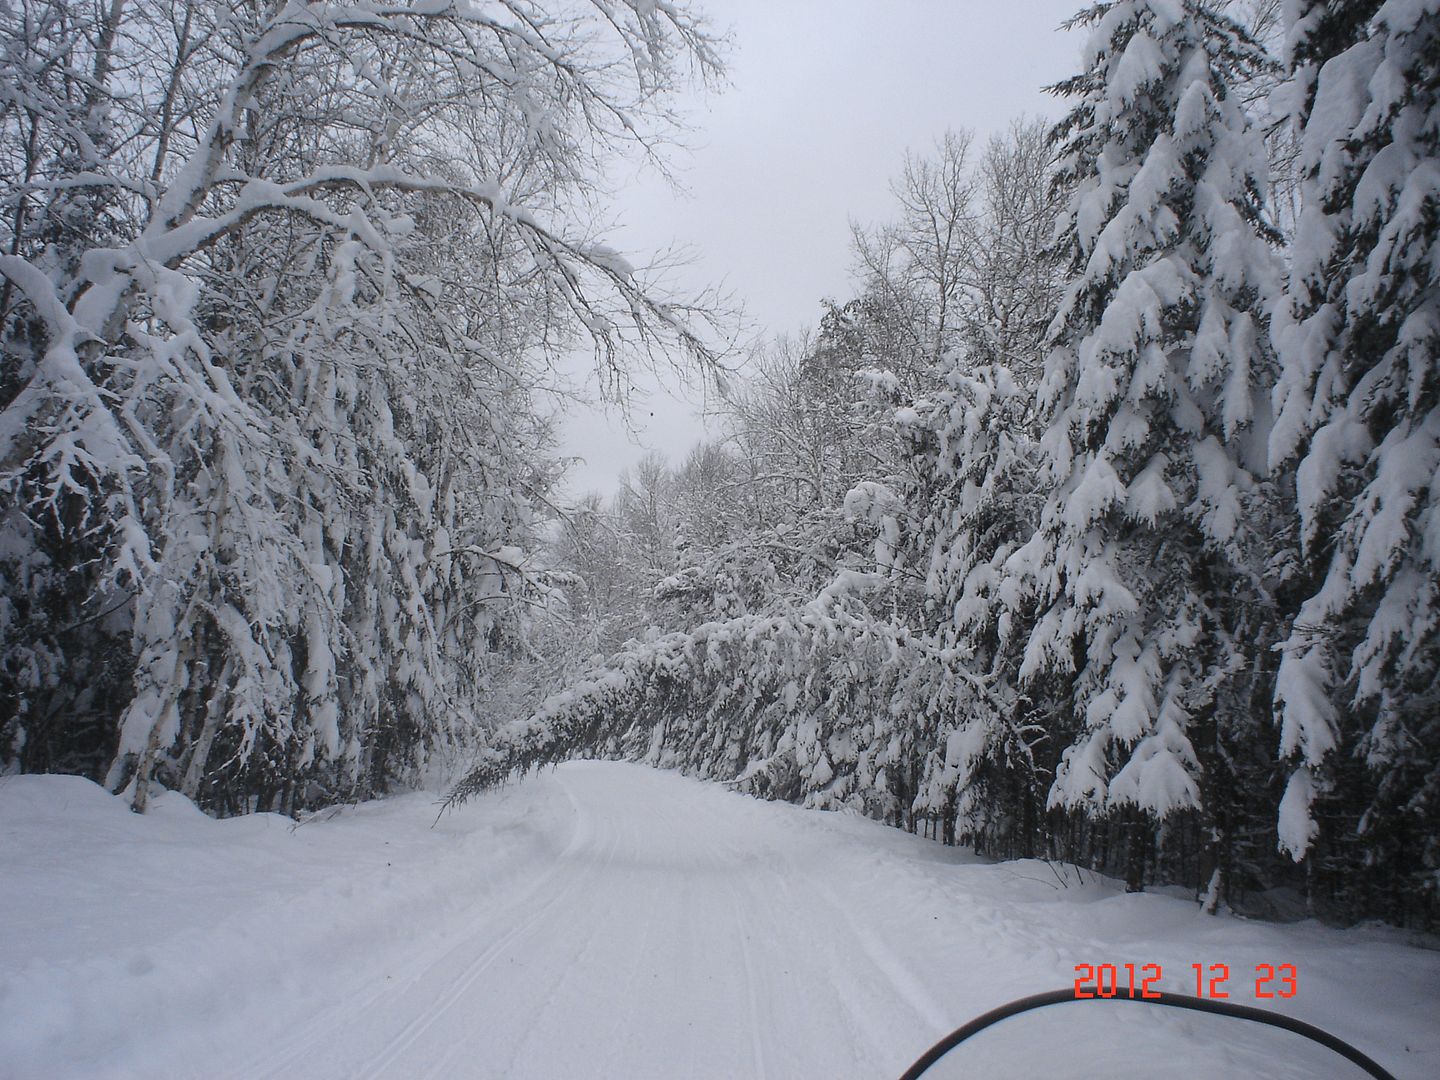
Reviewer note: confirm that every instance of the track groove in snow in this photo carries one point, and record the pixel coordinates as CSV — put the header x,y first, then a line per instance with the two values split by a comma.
x,y
752,1007
607,920
454,991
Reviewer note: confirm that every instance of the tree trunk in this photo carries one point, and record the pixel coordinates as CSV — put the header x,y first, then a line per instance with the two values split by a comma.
x,y
1136,849
200,749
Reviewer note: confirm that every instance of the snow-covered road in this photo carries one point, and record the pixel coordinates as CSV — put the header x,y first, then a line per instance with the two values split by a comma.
x,y
608,920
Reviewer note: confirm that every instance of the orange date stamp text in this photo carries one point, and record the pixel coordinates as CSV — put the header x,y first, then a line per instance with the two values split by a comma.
x,y
1210,980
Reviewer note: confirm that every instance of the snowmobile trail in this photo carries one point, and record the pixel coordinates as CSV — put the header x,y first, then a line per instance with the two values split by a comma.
x,y
610,920
738,949
730,955
531,918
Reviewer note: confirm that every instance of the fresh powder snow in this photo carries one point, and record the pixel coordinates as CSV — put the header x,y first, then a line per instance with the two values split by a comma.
x,y
609,920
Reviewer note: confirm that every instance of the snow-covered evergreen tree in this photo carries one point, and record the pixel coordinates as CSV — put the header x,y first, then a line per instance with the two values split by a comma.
x,y
973,497
1145,566
975,500
65,661
1359,421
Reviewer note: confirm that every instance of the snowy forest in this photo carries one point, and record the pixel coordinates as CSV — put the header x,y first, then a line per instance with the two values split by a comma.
x,y
1100,524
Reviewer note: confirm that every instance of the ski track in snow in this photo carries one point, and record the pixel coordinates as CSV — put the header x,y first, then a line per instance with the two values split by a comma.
x,y
609,920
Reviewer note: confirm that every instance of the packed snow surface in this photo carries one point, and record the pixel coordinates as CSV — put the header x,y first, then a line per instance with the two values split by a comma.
x,y
608,920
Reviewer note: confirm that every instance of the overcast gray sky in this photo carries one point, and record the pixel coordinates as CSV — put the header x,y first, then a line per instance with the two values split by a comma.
x,y
825,97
